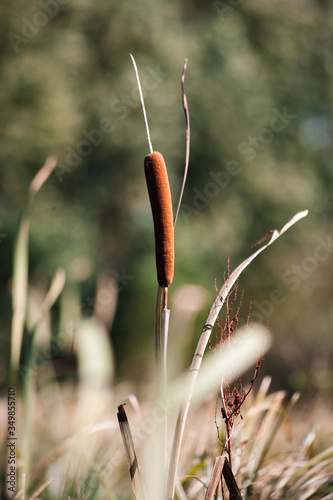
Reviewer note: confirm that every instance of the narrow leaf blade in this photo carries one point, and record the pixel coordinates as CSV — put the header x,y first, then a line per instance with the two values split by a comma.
x,y
131,457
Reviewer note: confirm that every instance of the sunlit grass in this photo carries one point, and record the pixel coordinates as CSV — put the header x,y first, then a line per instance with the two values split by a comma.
x,y
68,439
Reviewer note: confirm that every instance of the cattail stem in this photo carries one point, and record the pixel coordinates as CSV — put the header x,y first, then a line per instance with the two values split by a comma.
x,y
164,388
162,315
161,204
158,325
161,337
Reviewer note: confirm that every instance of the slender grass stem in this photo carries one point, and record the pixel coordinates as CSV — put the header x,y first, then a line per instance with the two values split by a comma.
x,y
20,296
131,457
188,134
161,327
162,315
142,103
164,395
20,269
29,382
158,326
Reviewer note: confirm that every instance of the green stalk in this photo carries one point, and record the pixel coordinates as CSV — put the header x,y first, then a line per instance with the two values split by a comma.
x,y
161,329
19,297
158,327
20,271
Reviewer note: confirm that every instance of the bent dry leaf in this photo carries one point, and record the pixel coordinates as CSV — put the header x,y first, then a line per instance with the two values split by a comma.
x,y
41,488
42,175
188,132
131,457
202,344
234,493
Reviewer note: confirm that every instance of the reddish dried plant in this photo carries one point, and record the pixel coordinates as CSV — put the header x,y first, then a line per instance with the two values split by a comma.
x,y
232,396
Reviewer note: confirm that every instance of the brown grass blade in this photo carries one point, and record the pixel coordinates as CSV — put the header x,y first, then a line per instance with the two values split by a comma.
x,y
188,131
131,457
215,477
231,482
221,466
41,488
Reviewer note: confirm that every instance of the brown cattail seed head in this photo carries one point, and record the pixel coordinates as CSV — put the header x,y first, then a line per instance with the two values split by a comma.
x,y
161,205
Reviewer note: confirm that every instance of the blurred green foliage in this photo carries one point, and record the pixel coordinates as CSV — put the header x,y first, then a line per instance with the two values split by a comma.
x,y
68,88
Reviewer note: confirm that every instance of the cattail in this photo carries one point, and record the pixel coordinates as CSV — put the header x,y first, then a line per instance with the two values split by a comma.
x,y
161,205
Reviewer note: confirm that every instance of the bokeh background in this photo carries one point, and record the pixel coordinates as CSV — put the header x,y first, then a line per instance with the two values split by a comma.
x,y
260,91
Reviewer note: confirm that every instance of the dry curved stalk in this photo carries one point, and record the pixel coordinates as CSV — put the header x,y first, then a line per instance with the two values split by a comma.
x,y
187,156
199,352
